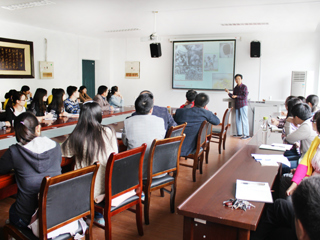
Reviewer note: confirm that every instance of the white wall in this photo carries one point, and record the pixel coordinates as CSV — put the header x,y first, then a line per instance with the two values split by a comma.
x,y
282,53
65,50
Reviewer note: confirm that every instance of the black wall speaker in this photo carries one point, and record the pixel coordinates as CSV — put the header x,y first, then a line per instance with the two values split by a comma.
x,y
255,48
155,49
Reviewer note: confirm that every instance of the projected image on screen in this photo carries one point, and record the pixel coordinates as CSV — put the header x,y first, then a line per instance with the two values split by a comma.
x,y
207,65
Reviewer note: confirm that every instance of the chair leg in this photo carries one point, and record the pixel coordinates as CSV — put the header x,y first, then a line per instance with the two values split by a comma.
x,y
107,227
161,192
224,141
201,162
139,218
172,197
207,152
220,141
195,167
147,206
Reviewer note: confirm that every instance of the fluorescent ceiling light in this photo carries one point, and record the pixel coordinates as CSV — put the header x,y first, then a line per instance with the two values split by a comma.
x,y
124,30
28,5
242,24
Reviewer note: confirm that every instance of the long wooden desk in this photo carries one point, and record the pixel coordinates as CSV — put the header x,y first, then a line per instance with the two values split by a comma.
x,y
204,215
64,126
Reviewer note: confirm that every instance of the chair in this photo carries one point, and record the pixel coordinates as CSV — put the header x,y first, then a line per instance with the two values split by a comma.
x,y
207,146
197,155
163,166
63,199
123,174
221,133
175,131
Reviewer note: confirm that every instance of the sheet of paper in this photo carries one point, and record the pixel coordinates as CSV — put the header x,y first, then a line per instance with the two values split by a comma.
x,y
119,135
270,147
271,157
253,191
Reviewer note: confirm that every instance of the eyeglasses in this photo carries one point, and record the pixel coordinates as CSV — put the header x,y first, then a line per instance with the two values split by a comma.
x,y
313,121
22,100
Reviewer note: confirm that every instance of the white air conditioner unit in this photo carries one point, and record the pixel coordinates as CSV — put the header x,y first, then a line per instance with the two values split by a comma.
x,y
302,83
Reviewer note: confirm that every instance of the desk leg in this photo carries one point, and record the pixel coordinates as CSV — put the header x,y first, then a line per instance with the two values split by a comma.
x,y
188,228
243,234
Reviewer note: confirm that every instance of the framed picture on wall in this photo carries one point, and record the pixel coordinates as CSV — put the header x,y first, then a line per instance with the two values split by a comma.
x,y
16,58
132,70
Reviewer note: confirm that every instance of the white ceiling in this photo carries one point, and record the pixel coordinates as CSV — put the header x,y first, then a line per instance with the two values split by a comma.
x,y
176,17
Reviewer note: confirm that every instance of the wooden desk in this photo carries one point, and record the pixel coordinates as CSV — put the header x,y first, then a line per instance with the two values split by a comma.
x,y
64,126
219,222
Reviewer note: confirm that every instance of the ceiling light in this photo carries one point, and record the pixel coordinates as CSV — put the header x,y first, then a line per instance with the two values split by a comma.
x,y
124,30
28,5
242,24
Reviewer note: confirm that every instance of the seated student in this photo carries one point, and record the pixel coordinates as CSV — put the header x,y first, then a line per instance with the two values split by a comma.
x,y
17,106
101,98
143,127
296,219
91,142
161,112
194,117
38,104
26,91
8,96
190,95
49,100
312,101
289,127
83,94
115,98
56,107
302,98
306,207
310,163
32,158
301,113
280,123
71,104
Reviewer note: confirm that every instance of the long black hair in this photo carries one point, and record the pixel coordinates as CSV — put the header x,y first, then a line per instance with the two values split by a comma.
x,y
37,103
112,91
57,101
25,127
87,139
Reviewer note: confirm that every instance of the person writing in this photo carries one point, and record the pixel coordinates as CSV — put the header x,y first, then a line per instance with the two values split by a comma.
x,y
240,94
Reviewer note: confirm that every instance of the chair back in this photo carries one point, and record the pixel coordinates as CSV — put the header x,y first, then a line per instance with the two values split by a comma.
x,y
225,121
202,136
164,155
209,130
124,173
175,131
66,198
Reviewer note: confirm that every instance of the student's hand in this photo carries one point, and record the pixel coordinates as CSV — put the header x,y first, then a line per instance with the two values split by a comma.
x,y
63,114
274,121
48,115
293,170
226,90
291,189
283,114
296,145
234,96
7,124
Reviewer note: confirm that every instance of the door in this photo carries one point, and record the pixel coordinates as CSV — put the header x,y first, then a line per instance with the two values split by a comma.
x,y
88,76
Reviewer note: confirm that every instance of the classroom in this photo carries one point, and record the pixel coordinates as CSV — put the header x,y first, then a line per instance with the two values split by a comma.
x,y
111,33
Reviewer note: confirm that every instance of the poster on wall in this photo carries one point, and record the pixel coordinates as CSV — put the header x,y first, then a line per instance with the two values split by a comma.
x,y
207,65
16,59
132,70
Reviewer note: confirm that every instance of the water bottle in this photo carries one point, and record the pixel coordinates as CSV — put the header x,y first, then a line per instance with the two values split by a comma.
x,y
265,130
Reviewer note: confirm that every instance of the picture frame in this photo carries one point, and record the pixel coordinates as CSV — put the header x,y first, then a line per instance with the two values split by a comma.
x,y
16,58
132,70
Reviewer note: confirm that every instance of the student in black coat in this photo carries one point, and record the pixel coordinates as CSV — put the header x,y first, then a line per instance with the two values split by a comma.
x,y
194,117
